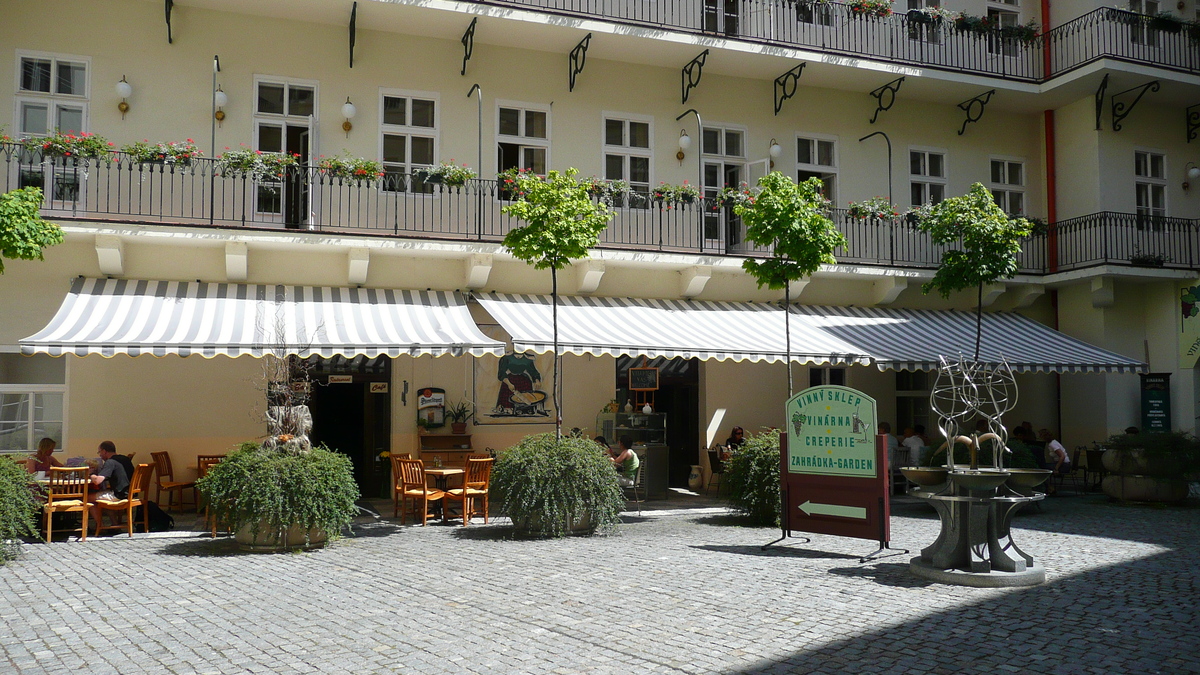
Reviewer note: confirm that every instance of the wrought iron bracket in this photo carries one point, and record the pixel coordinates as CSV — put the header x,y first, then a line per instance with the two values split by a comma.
x,y
577,58
170,5
1121,110
692,73
353,30
1193,122
1100,99
468,43
785,86
889,90
974,109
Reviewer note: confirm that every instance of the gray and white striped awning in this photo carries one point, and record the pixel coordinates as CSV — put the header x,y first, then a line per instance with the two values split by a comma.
x,y
913,339
735,331
118,316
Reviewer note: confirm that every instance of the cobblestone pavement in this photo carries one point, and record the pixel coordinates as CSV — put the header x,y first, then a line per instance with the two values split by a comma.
x,y
673,592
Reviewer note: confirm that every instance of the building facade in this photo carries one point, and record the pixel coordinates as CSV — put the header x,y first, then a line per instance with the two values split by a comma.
x,y
1086,125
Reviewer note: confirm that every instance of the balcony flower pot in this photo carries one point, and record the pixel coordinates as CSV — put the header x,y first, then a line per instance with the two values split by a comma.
x,y
1166,22
917,16
425,176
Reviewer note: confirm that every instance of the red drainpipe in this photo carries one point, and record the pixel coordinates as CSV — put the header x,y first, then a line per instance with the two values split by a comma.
x,y
1051,193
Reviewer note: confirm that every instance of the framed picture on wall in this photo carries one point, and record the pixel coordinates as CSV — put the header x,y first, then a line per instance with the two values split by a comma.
x,y
517,388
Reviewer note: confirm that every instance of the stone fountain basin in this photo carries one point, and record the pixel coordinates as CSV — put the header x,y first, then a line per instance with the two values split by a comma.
x,y
979,479
1027,478
925,475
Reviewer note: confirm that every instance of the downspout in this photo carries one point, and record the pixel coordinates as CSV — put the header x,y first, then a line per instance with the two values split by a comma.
x,y
1052,231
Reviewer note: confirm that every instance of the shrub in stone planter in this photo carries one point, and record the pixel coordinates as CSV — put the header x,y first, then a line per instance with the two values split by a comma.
x,y
1151,466
551,488
752,477
18,508
270,494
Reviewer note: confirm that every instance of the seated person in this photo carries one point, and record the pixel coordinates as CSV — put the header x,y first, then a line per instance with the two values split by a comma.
x,y
600,440
1057,458
626,461
44,459
110,478
892,443
736,438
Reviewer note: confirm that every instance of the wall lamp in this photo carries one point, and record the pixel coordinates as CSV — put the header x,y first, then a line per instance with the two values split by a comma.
x,y
348,111
775,150
220,100
1193,174
685,142
124,91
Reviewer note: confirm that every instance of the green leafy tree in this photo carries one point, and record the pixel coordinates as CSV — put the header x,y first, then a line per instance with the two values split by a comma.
x,y
988,244
23,233
562,223
793,219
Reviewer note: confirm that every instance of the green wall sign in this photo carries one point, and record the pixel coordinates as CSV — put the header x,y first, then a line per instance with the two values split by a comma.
x,y
831,431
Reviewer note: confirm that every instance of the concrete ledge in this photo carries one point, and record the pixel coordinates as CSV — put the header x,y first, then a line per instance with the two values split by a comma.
x,y
1031,577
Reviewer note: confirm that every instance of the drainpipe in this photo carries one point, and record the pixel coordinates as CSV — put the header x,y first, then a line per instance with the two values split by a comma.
x,y
1051,194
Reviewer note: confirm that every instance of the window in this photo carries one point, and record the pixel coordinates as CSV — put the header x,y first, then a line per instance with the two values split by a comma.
x,y
32,402
724,165
721,16
912,399
408,138
818,376
929,32
1142,33
284,113
816,13
1001,15
627,153
927,169
52,95
522,138
816,157
1007,186
1150,169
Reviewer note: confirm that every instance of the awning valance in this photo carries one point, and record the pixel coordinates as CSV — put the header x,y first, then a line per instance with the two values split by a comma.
x,y
119,316
736,331
913,339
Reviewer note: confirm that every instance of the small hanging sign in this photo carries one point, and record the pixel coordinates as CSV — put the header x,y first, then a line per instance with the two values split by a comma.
x,y
379,387
341,379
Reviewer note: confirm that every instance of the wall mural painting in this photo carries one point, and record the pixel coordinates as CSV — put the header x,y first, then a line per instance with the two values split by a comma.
x,y
517,388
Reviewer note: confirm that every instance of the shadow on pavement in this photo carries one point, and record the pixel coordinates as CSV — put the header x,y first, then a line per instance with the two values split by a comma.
x,y
775,551
204,546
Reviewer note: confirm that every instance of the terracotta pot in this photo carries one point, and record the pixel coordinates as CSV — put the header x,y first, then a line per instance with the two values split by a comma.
x,y
269,541
458,427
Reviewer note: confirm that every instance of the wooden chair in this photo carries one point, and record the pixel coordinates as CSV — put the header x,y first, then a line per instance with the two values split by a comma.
x,y
411,484
139,490
716,469
166,480
203,464
476,482
67,492
639,485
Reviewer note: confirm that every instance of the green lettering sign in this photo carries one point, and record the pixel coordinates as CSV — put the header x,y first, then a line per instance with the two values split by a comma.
x,y
831,431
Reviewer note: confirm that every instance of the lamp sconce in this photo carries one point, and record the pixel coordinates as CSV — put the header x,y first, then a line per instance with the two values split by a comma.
x,y
685,142
774,150
124,91
1193,174
348,111
220,100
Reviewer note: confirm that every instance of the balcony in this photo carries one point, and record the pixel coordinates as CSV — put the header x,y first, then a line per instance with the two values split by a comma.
x,y
125,191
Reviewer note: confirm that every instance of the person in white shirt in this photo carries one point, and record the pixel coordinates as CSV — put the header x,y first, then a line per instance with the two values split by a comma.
x,y
892,443
1057,458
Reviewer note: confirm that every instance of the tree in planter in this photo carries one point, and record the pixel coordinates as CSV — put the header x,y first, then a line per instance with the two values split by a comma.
x,y
562,223
793,219
18,508
988,244
23,233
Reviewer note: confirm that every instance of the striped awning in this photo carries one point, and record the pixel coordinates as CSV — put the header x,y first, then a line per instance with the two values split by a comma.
x,y
914,339
734,331
118,316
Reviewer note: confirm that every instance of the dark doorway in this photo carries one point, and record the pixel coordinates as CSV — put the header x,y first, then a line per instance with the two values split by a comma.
x,y
354,417
295,191
679,397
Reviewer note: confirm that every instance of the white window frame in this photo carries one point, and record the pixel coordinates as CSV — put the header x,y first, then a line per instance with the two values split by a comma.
x,y
925,179
1151,182
44,388
819,168
627,151
409,130
283,119
1009,187
931,32
524,141
1143,34
998,46
21,96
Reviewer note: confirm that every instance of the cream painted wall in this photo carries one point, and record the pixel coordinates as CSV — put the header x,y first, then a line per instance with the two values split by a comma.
x,y
1076,145
1154,128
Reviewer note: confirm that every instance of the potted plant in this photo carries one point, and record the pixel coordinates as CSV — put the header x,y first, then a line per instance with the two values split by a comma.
x,y
732,196
553,487
1151,467
255,164
1140,259
347,168
875,8
281,498
447,173
752,478
177,152
1026,34
675,194
19,508
81,146
875,207
1193,31
459,414
1166,22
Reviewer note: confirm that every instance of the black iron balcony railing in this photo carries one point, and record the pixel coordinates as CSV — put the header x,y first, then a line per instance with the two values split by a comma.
x,y
1116,34
123,190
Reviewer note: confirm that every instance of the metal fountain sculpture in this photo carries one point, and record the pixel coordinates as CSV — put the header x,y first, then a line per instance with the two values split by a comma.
x,y
975,504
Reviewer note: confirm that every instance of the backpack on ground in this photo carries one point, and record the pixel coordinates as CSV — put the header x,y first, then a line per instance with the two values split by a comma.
x,y
160,521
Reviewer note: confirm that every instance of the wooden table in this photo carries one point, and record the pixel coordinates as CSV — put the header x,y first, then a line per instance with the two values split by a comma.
x,y
441,480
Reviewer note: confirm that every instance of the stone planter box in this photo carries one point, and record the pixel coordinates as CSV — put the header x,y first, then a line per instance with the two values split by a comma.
x,y
269,540
1135,488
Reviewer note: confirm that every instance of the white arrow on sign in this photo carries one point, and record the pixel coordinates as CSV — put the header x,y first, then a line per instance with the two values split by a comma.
x,y
812,509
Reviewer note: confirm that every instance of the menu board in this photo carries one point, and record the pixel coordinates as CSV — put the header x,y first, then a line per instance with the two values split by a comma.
x,y
643,379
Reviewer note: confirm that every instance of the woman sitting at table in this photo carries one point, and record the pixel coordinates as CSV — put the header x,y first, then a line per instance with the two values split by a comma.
x,y
626,461
44,459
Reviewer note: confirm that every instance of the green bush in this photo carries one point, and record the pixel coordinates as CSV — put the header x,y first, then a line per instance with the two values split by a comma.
x,y
18,508
546,486
752,476
1171,454
275,490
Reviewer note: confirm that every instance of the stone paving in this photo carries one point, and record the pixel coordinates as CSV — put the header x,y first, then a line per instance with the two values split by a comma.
x,y
676,591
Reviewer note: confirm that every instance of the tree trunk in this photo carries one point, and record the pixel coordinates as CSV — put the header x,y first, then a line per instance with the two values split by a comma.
x,y
787,331
557,361
978,321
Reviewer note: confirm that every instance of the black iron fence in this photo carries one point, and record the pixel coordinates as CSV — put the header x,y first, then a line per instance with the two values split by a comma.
x,y
1124,36
120,189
